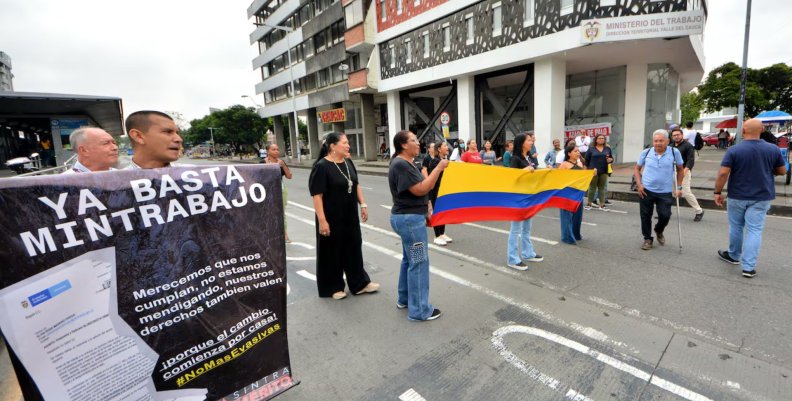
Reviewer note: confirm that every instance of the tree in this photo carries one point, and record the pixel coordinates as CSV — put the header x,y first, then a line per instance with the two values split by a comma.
x,y
238,126
691,106
769,88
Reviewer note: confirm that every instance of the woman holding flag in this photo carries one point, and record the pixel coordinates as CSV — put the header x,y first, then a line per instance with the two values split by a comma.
x,y
520,231
411,209
571,221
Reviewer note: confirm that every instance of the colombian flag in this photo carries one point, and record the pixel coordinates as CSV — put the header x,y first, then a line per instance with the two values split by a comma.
x,y
475,192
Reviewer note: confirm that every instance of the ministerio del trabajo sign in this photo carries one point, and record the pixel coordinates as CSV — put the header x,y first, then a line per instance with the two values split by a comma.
x,y
647,26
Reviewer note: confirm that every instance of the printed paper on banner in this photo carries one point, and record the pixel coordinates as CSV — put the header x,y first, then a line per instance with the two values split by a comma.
x,y
571,131
147,284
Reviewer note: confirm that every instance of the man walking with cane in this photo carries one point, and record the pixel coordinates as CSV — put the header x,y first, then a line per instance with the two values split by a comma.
x,y
657,173
749,167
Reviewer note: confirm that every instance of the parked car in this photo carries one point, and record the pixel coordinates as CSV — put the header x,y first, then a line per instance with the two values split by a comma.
x,y
711,139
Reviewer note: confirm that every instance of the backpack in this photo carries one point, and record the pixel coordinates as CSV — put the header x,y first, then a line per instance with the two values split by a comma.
x,y
699,141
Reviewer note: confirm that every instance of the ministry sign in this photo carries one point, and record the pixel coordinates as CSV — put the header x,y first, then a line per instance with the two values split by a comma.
x,y
647,26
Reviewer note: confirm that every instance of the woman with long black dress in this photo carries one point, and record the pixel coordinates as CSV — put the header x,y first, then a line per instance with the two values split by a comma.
x,y
333,184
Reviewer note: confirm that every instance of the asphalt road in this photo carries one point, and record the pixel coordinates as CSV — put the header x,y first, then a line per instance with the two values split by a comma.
x,y
600,320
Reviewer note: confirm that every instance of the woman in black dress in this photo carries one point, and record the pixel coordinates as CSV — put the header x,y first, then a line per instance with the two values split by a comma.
x,y
336,194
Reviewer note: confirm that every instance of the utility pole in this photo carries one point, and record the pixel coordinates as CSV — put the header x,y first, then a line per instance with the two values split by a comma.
x,y
741,105
211,134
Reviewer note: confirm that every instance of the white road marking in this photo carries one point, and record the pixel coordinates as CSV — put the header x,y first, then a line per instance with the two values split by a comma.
x,y
288,289
296,258
586,331
497,230
497,342
411,395
304,245
556,218
369,188
306,274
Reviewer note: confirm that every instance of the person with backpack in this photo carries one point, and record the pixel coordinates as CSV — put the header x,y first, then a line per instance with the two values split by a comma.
x,y
688,158
654,177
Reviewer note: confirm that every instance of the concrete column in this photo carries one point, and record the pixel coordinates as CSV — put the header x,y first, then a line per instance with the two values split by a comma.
x,y
634,112
293,138
370,146
549,105
466,107
313,132
395,119
338,126
280,137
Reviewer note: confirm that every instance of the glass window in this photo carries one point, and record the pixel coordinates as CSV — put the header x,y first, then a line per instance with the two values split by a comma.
x,y
446,38
392,56
320,42
408,48
528,12
398,6
321,78
604,3
567,6
384,10
470,29
426,45
497,19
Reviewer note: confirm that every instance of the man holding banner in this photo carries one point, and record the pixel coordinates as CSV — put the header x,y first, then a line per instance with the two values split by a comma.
x,y
155,139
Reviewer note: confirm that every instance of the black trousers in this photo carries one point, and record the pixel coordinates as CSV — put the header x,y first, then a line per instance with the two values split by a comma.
x,y
663,202
438,230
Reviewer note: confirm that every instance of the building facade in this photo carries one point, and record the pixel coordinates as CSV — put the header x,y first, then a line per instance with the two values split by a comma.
x,y
501,67
315,58
6,77
492,68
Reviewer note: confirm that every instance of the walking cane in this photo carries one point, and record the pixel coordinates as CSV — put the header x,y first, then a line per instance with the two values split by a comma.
x,y
679,219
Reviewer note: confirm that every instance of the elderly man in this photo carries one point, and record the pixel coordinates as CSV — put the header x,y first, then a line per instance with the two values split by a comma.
x,y
155,139
96,150
657,175
749,167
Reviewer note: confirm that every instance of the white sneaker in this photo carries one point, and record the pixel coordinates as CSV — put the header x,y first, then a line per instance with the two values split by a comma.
x,y
447,238
440,241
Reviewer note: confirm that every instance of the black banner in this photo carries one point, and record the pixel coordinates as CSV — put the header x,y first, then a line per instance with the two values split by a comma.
x,y
147,284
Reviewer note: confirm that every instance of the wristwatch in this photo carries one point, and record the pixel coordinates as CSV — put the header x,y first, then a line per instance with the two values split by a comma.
x,y
679,187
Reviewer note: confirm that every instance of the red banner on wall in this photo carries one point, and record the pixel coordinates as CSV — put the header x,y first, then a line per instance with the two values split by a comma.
x,y
571,131
333,116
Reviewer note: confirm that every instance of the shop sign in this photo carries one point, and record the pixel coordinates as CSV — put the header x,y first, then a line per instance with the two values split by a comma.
x,y
571,131
646,26
333,116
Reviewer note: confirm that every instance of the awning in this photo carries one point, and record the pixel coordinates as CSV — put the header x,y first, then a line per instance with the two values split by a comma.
x,y
107,112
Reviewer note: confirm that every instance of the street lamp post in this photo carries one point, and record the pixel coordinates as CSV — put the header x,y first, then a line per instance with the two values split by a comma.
x,y
741,104
211,134
295,146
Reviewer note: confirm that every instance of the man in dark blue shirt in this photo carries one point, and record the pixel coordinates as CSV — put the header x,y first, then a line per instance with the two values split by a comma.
x,y
749,168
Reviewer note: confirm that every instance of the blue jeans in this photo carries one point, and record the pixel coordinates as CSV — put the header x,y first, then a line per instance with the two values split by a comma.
x,y
570,225
414,272
747,216
520,234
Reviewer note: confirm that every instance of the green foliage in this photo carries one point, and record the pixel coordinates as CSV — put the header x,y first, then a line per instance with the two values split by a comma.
x,y
691,106
238,126
768,88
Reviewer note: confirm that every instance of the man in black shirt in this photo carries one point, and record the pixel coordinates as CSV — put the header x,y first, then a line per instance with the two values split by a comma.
x,y
688,153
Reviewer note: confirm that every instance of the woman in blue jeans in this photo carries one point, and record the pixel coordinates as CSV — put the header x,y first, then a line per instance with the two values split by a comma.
x,y
411,209
520,232
571,221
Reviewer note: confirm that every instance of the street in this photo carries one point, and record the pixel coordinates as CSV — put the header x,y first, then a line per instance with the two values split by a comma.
x,y
602,320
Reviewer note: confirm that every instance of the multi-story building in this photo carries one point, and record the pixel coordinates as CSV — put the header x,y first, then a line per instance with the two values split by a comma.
x,y
485,69
500,67
6,77
309,54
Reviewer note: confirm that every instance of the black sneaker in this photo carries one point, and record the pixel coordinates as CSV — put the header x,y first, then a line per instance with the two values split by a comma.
x,y
699,216
435,314
536,258
750,274
724,255
519,266
607,202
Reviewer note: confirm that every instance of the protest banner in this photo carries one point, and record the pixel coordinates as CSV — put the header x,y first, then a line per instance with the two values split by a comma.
x,y
147,284
571,131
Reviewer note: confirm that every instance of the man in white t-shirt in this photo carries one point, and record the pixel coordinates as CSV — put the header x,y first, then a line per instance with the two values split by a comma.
x,y
582,141
689,134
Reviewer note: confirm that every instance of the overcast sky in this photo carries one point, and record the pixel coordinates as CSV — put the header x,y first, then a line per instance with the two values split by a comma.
x,y
187,56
